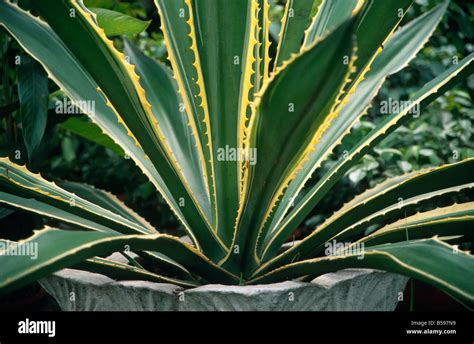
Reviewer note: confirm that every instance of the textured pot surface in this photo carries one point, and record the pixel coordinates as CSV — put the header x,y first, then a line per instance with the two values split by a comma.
x,y
345,290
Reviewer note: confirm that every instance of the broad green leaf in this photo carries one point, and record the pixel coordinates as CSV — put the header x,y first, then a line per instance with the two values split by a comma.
x,y
33,94
162,93
17,181
117,24
395,211
157,260
57,249
90,131
398,51
419,259
177,24
227,69
107,201
297,102
96,220
421,99
44,45
457,219
394,196
315,244
110,202
369,41
80,221
278,235
29,204
68,150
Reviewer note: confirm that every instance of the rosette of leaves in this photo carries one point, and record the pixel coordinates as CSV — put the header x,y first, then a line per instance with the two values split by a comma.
x,y
225,90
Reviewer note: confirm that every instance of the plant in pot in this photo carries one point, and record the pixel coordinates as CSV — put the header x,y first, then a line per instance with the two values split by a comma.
x,y
229,137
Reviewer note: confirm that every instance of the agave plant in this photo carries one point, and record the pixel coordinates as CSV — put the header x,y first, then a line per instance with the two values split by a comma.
x,y
230,135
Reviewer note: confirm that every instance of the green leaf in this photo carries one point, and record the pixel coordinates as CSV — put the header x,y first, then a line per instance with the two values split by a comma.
x,y
106,201
50,211
123,272
419,259
357,175
372,32
457,219
226,70
395,211
369,40
405,166
162,93
57,249
392,197
296,19
42,43
21,187
215,79
33,94
180,40
298,102
117,24
90,131
330,15
399,195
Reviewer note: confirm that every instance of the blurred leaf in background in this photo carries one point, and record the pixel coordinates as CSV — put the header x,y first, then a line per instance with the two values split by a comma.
x,y
83,127
117,24
33,95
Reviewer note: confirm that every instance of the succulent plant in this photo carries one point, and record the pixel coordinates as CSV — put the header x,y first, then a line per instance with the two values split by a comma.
x,y
230,135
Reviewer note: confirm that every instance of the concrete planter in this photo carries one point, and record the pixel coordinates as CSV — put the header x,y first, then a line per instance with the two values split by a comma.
x,y
345,290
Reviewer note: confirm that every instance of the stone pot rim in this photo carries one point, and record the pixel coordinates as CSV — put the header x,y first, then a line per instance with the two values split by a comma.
x,y
326,281
348,289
